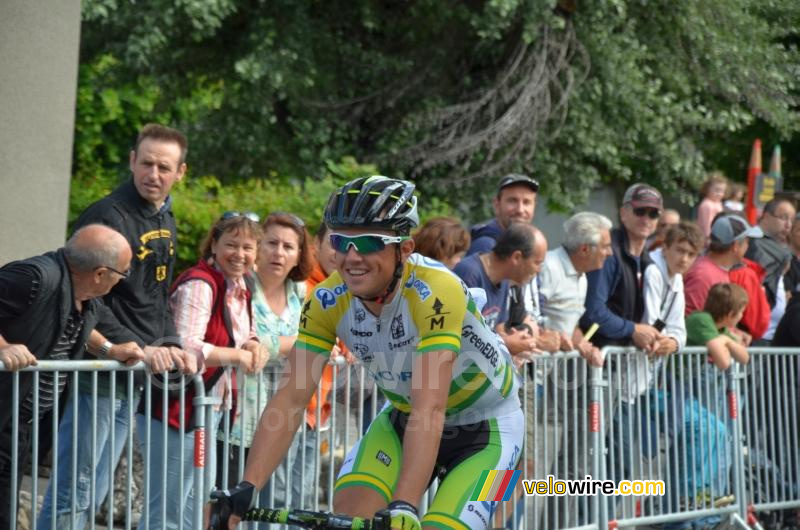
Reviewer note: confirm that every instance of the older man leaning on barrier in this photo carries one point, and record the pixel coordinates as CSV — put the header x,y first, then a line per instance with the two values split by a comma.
x,y
47,311
587,244
514,260
614,298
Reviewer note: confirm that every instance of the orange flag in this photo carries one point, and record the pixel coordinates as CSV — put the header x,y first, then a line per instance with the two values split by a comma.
x,y
752,173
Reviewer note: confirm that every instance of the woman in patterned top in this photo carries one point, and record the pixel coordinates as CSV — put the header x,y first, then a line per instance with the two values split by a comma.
x,y
284,262
211,307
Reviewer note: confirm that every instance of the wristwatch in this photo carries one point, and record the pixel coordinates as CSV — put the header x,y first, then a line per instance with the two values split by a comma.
x,y
104,349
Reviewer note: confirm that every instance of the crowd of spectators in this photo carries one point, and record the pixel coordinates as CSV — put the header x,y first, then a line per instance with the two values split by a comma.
x,y
654,282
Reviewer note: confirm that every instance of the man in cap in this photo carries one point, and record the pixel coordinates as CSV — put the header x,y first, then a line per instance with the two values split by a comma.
x,y
515,202
730,238
614,298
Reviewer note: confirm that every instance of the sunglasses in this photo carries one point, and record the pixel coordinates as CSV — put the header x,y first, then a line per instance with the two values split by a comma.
x,y
364,244
652,213
248,215
125,275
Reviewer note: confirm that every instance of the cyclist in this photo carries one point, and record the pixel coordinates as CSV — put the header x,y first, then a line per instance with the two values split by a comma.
x,y
453,408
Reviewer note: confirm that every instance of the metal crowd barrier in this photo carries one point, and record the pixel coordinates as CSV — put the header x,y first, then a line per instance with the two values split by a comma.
x,y
309,472
771,449
77,371
725,444
673,419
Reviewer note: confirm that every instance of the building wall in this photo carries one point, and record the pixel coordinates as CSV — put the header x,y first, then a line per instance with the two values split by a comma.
x,y
601,200
39,44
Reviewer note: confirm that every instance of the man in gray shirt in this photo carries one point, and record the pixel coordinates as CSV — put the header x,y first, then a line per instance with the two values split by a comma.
x,y
587,244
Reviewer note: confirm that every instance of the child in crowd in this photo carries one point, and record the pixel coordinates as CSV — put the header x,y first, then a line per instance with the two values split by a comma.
x,y
734,198
712,191
663,308
664,302
711,327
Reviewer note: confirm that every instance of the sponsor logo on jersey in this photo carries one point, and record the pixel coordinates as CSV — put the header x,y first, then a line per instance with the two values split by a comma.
x,y
327,297
513,461
398,345
304,314
485,348
422,288
397,327
437,318
362,352
471,507
383,458
388,375
360,315
361,333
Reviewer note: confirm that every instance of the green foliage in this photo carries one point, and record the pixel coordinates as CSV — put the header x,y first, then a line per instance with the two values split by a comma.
x,y
673,89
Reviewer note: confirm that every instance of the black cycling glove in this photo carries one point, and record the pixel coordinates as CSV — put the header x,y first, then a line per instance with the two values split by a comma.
x,y
234,501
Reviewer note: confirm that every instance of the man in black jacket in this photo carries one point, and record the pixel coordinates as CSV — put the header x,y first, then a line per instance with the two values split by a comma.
x,y
47,311
614,301
772,252
614,293
140,209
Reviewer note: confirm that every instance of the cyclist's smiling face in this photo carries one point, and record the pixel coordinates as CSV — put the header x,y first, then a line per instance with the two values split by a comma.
x,y
368,275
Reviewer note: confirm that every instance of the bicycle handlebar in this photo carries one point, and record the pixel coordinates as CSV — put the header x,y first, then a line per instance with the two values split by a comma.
x,y
314,520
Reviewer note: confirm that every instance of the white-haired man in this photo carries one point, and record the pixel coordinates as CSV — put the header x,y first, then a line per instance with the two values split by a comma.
x,y
586,245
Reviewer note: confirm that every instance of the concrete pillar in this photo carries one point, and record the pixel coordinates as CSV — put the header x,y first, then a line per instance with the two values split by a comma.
x,y
39,45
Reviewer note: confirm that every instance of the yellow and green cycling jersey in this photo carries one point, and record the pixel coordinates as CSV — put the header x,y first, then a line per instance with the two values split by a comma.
x,y
432,310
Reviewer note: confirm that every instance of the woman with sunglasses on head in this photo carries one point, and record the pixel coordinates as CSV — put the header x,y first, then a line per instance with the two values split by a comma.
x,y
284,261
451,389
211,306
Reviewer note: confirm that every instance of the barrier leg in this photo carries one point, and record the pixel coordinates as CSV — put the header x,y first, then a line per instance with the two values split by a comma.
x,y
737,440
202,411
596,430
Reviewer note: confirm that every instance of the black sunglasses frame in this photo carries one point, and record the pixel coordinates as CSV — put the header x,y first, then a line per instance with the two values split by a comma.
x,y
652,213
125,275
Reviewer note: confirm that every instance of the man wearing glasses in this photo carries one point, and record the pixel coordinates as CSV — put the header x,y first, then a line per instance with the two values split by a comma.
x,y
47,311
453,408
140,209
615,302
772,252
614,293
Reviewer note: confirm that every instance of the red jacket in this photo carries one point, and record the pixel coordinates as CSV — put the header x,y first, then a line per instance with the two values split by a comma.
x,y
756,315
218,332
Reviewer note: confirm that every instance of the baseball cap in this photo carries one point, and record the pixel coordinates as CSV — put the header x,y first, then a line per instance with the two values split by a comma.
x,y
517,178
729,228
642,195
